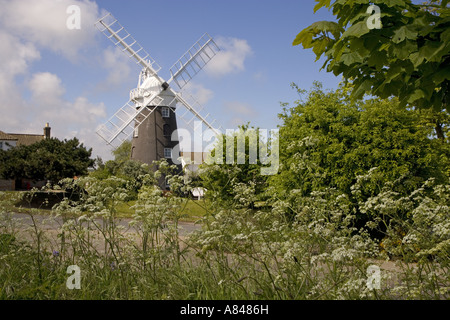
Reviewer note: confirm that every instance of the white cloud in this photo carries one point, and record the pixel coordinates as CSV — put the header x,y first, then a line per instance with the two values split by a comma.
x,y
29,29
46,89
240,108
68,119
119,69
49,105
240,111
231,58
18,55
260,76
44,23
201,94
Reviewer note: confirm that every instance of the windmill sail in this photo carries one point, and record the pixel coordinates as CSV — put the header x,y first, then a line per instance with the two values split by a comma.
x,y
123,123
190,105
193,60
152,90
114,31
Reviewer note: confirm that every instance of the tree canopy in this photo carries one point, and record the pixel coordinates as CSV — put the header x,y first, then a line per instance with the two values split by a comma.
x,y
235,172
49,159
408,57
123,152
329,140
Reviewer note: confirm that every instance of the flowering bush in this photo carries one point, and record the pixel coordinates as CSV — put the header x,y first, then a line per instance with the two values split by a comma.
x,y
315,252
416,225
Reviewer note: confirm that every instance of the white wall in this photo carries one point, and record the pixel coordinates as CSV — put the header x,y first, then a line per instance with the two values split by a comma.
x,y
7,144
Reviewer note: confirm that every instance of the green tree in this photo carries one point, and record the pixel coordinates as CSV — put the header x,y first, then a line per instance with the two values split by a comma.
x,y
135,173
408,57
236,178
121,166
49,159
123,152
329,140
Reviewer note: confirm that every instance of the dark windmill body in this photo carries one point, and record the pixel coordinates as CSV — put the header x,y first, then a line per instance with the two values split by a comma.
x,y
156,137
150,114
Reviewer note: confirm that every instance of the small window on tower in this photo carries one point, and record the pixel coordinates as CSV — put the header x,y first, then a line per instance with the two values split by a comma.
x,y
165,112
167,153
136,132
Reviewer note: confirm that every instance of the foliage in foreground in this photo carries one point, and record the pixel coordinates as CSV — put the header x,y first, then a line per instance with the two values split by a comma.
x,y
329,141
235,168
407,57
49,159
238,253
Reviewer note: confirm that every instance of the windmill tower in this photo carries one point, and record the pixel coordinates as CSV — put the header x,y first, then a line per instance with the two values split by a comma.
x,y
152,136
150,116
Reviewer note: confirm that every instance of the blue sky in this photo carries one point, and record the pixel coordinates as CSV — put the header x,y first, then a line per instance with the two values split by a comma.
x,y
75,79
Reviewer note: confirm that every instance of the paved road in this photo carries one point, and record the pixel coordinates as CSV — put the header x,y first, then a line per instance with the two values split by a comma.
x,y
52,223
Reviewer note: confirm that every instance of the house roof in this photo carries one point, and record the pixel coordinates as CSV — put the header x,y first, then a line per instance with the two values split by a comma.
x,y
6,136
22,139
27,139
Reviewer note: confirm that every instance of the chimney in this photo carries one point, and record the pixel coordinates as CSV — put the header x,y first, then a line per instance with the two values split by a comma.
x,y
47,131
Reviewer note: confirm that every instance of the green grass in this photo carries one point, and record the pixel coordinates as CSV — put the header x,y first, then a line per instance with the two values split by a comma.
x,y
193,210
11,202
238,254
125,209
7,195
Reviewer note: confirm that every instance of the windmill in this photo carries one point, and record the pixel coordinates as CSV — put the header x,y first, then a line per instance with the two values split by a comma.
x,y
150,114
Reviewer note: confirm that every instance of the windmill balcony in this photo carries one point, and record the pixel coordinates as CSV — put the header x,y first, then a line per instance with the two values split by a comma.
x,y
136,94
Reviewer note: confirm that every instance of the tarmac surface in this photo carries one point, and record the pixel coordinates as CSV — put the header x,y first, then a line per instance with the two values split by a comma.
x,y
43,222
